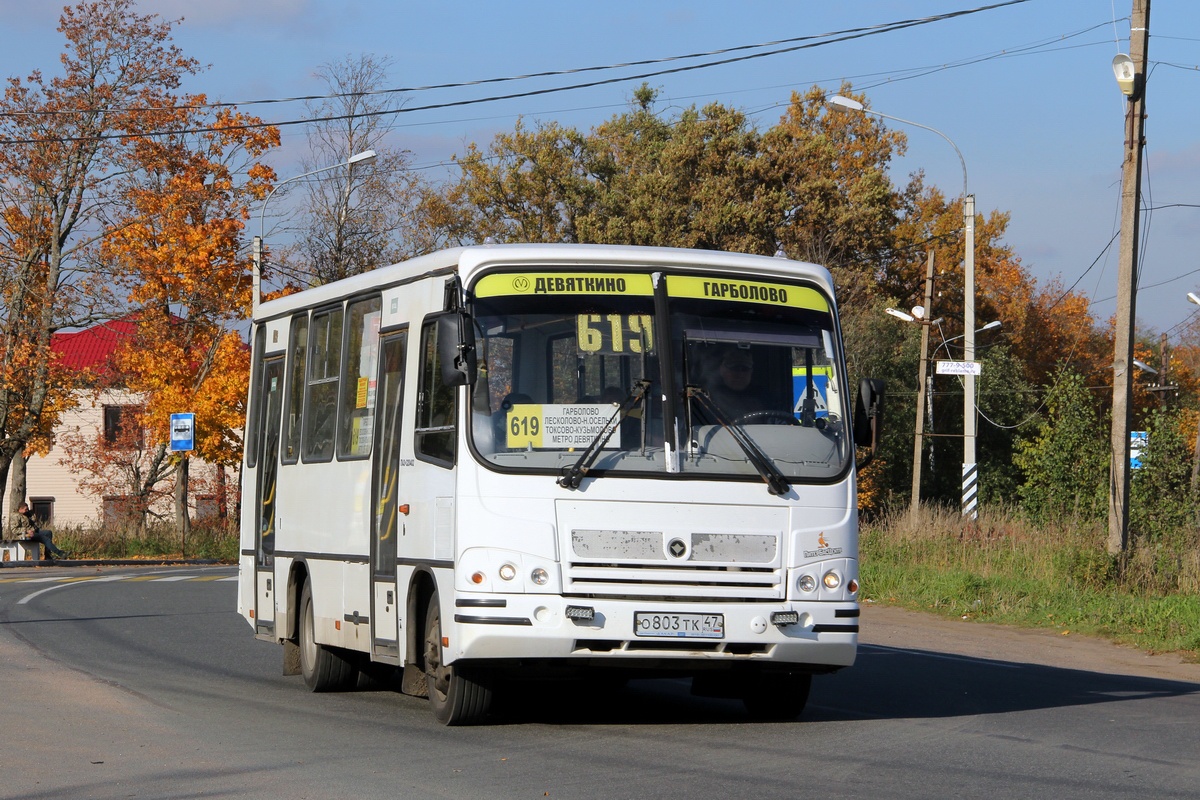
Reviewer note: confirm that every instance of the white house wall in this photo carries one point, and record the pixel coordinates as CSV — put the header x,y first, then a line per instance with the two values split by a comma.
x,y
50,476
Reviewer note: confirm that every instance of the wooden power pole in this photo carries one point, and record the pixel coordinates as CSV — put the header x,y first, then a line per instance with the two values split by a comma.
x,y
1131,177
922,375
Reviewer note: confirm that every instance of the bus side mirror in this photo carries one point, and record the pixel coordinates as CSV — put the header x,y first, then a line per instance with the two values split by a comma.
x,y
868,417
456,349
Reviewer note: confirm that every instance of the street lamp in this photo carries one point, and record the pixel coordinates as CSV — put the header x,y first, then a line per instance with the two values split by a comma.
x,y
358,158
918,318
970,474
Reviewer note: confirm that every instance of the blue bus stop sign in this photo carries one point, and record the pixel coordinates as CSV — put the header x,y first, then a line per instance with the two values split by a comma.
x,y
183,432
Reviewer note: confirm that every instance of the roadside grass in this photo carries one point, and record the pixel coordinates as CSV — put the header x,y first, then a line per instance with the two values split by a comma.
x,y
216,540
1003,569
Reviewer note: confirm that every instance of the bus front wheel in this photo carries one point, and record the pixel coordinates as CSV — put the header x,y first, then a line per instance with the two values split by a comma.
x,y
777,696
324,668
456,696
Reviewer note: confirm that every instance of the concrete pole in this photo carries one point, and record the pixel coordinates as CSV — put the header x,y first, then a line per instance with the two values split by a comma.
x,y
256,291
1131,177
970,473
922,372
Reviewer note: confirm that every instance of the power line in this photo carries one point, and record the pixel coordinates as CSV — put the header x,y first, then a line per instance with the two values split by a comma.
x,y
808,43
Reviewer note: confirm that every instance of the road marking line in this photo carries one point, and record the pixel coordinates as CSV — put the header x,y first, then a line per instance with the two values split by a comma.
x,y
61,585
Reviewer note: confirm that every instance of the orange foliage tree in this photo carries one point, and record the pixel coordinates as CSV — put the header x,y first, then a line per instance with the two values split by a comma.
x,y
64,145
176,253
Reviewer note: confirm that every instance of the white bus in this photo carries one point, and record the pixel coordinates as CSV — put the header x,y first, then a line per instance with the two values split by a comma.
x,y
516,461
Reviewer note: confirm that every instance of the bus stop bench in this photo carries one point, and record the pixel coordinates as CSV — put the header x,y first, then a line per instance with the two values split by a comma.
x,y
20,550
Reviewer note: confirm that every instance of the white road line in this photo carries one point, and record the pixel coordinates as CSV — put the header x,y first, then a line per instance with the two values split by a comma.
x,y
68,582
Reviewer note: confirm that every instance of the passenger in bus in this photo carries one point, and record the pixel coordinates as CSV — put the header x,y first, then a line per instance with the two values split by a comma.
x,y
730,385
612,394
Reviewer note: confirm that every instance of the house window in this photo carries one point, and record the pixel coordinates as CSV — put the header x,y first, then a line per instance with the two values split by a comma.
x,y
122,426
206,506
43,510
119,509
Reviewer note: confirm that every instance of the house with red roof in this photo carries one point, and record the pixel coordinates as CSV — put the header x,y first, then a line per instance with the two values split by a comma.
x,y
53,488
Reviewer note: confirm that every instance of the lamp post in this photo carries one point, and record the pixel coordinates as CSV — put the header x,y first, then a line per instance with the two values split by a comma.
x,y
970,475
357,158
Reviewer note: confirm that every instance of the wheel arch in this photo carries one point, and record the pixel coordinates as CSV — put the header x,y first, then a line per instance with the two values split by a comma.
x,y
421,591
297,577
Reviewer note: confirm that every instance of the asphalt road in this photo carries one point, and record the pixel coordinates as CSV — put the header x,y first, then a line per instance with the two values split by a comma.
x,y
143,682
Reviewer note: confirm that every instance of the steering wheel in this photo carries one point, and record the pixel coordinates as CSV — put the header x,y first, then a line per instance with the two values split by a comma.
x,y
774,416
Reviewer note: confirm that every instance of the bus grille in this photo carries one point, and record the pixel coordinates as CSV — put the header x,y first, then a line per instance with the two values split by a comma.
x,y
654,565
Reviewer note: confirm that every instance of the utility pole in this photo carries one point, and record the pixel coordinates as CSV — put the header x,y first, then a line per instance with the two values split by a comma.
x,y
1131,176
922,373
970,469
1162,388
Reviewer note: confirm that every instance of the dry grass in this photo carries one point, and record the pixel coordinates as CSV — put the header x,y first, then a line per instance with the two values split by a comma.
x,y
1001,568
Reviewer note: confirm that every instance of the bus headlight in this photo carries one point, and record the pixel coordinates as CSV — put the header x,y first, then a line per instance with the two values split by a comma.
x,y
539,576
832,580
508,572
807,583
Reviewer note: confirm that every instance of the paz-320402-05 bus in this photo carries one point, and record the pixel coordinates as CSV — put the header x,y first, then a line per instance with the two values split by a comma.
x,y
514,461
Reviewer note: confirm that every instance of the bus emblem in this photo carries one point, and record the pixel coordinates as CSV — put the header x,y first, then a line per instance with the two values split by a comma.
x,y
677,548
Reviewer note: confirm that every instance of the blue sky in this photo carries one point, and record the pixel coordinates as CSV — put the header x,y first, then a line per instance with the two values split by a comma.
x,y
1026,92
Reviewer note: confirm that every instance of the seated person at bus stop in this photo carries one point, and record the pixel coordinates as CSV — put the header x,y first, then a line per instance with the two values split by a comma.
x,y
22,526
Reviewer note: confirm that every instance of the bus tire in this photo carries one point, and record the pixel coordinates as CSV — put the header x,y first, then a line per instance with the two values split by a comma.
x,y
324,668
777,696
456,696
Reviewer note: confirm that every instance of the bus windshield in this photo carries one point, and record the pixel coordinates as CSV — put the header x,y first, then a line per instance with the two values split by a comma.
x,y
572,362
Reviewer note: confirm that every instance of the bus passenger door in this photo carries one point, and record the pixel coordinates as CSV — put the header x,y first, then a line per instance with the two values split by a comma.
x,y
386,526
265,489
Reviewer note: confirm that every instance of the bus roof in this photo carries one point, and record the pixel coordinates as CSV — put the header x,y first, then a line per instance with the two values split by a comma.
x,y
470,260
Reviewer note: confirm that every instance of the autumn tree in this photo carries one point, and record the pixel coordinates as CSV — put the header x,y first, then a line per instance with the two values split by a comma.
x,y
121,462
692,181
66,142
530,185
176,253
837,202
706,178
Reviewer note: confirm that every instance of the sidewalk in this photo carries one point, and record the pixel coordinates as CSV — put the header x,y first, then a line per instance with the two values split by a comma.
x,y
887,626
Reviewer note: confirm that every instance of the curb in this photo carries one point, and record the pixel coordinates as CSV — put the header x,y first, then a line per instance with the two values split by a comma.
x,y
111,562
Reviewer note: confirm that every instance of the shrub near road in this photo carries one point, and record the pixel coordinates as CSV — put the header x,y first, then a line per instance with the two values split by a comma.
x,y
1055,575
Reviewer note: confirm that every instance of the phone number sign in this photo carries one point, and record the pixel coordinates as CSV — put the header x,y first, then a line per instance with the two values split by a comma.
x,y
556,426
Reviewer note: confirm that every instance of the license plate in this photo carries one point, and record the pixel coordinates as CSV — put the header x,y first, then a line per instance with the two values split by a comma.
x,y
683,626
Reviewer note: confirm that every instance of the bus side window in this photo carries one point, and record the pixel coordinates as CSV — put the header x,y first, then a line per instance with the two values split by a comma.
x,y
298,344
357,415
437,411
320,409
256,402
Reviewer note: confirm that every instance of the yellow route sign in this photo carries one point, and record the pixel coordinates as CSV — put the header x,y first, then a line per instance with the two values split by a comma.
x,y
556,426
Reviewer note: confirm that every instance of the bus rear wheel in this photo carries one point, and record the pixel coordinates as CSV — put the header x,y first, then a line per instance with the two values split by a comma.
x,y
777,696
324,669
456,696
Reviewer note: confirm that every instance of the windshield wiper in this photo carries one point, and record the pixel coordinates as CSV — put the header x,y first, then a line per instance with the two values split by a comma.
x,y
776,482
578,471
